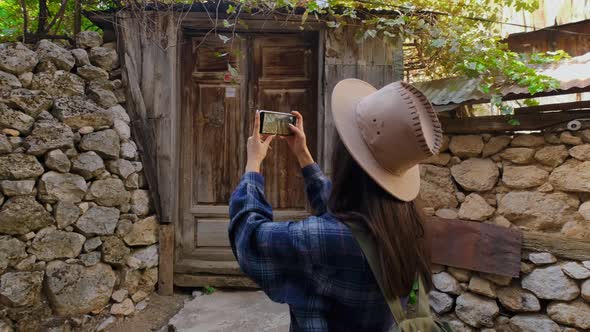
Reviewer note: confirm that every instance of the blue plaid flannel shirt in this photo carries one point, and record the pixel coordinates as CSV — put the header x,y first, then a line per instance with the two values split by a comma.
x,y
314,265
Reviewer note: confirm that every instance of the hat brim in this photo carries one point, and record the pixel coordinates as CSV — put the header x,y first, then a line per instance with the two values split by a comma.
x,y
345,97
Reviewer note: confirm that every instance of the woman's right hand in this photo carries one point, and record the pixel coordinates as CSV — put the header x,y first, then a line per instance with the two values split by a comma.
x,y
298,143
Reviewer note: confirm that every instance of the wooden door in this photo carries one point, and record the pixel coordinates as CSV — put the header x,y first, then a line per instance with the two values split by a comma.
x,y
283,80
275,73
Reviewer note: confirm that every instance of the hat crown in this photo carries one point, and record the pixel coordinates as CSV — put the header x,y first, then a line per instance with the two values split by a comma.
x,y
399,126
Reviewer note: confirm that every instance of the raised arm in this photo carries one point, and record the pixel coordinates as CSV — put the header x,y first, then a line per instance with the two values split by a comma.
x,y
266,251
317,185
318,188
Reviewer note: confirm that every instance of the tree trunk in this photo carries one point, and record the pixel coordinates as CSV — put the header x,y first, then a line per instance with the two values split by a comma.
x,y
43,16
77,17
23,7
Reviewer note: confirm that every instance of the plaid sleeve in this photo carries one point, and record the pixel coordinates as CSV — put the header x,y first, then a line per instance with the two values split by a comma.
x,y
273,254
318,188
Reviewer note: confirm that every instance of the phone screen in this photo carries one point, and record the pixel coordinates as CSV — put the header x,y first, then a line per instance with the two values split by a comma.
x,y
275,123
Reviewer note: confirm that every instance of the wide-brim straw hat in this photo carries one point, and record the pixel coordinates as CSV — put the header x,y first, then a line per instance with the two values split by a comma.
x,y
387,131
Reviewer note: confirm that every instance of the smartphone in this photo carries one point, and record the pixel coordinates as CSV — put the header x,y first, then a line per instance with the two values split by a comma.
x,y
276,123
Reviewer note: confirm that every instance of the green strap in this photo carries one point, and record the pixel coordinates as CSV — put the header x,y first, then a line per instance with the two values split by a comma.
x,y
423,304
369,248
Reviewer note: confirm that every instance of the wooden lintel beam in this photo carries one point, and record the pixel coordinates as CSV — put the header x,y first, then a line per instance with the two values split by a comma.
x,y
500,124
494,249
196,280
553,107
557,245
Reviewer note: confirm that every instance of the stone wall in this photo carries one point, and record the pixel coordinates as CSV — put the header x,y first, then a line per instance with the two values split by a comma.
x,y
78,241
536,182
550,296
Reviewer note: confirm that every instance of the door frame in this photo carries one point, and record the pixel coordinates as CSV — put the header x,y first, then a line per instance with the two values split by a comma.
x,y
228,276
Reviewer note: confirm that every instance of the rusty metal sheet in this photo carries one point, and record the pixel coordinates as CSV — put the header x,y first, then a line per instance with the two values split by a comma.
x,y
475,246
572,74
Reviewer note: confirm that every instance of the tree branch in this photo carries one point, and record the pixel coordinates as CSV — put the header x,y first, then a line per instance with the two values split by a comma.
x,y
59,15
23,7
77,17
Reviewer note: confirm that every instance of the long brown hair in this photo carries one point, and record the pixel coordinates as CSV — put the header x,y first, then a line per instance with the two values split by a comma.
x,y
396,225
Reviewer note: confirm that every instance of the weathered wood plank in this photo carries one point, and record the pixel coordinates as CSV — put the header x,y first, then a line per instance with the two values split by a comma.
x,y
500,124
575,105
190,265
142,131
166,258
475,246
185,224
151,75
251,23
212,254
558,245
222,211
212,233
191,280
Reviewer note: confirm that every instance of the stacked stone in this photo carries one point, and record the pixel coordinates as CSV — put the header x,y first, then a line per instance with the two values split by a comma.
x,y
532,181
535,182
76,232
549,296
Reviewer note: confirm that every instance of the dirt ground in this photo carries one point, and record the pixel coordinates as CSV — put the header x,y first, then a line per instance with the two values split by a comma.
x,y
231,311
155,316
221,311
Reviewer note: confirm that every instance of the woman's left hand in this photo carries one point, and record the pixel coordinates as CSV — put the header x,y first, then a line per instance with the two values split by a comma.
x,y
257,147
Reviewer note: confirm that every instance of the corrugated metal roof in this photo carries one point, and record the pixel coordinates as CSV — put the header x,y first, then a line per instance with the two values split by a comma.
x,y
572,73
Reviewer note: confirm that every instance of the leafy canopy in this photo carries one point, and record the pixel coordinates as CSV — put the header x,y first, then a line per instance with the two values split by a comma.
x,y
451,37
12,17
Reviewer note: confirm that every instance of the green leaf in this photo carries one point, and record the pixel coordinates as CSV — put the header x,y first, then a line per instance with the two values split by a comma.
x,y
389,34
531,102
513,122
223,38
484,87
506,110
312,6
332,24
227,24
208,290
437,43
413,297
369,33
496,100
304,17
231,9
413,293
233,71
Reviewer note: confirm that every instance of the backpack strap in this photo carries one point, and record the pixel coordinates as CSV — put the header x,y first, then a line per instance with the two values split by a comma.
x,y
423,303
369,248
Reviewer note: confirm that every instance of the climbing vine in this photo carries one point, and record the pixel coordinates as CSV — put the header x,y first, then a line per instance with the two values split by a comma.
x,y
450,37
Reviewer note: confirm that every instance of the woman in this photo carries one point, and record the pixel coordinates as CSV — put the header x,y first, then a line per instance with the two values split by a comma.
x,y
316,265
